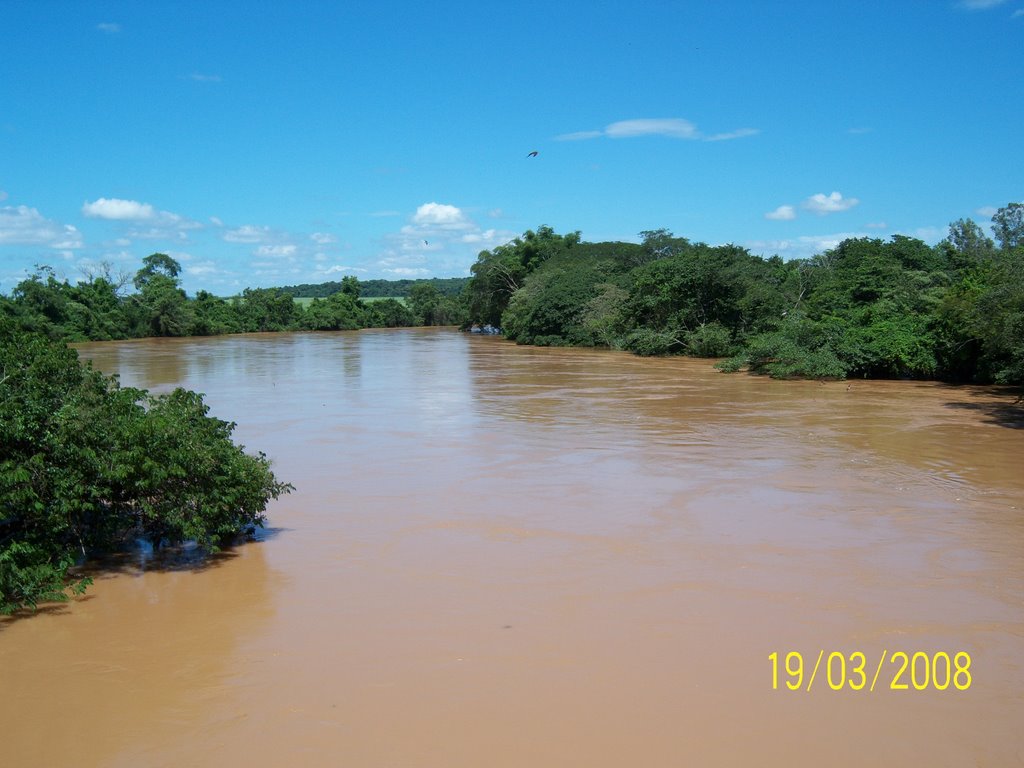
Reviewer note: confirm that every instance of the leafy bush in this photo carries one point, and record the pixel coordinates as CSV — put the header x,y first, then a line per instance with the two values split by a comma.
x,y
709,340
646,342
86,465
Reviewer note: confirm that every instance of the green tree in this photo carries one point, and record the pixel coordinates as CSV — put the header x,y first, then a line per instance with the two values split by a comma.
x,y
498,274
390,313
350,286
157,264
969,246
212,316
266,309
160,306
86,465
1008,226
338,312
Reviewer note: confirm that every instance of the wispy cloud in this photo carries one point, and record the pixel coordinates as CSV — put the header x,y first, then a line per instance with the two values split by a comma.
x,y
286,251
739,133
155,224
782,213
438,238
823,205
248,233
670,127
109,27
201,78
801,247
202,269
22,225
979,5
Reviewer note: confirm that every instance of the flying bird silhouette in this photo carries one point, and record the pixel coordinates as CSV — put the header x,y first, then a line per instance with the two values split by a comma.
x,y
533,154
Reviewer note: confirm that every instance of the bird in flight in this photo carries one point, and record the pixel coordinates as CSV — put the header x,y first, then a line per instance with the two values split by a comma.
x,y
533,154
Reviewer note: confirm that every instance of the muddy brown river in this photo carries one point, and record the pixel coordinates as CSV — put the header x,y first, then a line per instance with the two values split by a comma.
x,y
504,556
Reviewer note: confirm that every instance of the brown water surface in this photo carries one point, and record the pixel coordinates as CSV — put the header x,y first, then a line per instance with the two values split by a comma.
x,y
503,556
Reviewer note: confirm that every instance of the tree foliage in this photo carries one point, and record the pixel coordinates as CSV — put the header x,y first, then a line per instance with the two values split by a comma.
x,y
868,307
86,465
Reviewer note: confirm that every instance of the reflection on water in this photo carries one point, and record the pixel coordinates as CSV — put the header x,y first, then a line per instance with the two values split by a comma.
x,y
508,556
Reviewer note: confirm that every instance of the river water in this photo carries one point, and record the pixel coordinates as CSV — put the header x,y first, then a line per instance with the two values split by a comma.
x,y
506,556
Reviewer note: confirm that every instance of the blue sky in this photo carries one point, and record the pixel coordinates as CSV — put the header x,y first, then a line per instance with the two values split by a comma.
x,y
275,143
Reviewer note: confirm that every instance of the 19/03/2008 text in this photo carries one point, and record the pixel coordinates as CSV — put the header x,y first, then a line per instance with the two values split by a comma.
x,y
917,671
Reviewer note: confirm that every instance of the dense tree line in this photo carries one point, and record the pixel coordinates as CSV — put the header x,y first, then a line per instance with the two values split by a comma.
x,y
396,289
868,307
87,465
103,307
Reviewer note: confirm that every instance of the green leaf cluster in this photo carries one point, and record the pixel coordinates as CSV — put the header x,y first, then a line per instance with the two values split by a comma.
x,y
86,466
895,308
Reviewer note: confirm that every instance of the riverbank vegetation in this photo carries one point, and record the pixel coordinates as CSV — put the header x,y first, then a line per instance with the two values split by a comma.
x,y
868,307
87,465
105,306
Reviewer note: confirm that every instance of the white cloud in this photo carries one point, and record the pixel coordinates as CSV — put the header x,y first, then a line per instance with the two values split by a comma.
x,y
438,239
216,221
979,5
987,211
930,235
671,127
489,238
120,210
110,27
276,250
248,233
341,268
323,238
22,225
1017,14
740,133
580,135
834,203
441,216
674,127
159,225
782,213
801,247
201,78
202,268
877,225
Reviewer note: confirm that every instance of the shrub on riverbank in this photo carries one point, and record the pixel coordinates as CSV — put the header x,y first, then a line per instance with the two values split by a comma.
x,y
895,308
87,465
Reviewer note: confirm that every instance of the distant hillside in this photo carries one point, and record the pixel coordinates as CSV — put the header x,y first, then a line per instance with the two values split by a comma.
x,y
449,286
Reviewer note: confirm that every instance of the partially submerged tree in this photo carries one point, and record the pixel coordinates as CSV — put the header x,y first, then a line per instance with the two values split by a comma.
x,y
86,465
